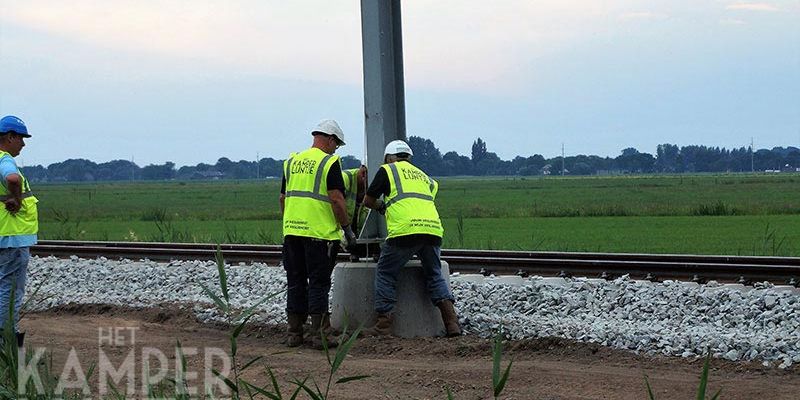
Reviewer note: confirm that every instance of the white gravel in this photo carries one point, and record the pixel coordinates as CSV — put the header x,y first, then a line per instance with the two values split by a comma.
x,y
671,318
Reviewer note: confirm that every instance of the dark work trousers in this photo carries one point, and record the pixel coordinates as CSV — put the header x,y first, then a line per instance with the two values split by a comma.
x,y
308,263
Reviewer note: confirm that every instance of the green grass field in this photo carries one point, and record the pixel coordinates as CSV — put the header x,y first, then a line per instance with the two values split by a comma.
x,y
714,214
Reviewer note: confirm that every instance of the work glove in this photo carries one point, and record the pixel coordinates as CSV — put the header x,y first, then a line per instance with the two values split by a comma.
x,y
349,236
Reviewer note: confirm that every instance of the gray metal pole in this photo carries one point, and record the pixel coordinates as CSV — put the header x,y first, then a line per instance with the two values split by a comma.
x,y
384,102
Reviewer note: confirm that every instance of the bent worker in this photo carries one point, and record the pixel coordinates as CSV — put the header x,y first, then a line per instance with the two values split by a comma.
x,y
19,223
413,227
354,188
314,215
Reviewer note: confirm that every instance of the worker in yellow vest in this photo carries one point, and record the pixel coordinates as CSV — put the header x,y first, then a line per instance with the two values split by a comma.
x,y
314,216
354,180
355,185
19,224
413,227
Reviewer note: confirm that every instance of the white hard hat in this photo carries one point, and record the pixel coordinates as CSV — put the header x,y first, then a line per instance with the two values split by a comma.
x,y
397,147
330,127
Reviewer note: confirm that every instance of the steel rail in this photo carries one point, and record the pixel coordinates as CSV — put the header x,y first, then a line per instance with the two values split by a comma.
x,y
778,270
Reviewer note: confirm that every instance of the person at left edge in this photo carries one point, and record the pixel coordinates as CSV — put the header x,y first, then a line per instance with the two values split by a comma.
x,y
314,215
19,222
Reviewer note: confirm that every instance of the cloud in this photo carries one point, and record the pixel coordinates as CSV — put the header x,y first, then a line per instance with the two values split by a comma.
x,y
243,37
731,21
644,15
494,47
752,7
448,45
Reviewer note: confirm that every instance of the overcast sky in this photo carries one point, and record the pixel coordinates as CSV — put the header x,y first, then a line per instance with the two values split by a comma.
x,y
192,81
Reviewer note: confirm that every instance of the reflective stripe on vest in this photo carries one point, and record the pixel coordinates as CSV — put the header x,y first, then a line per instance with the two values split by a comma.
x,y
411,210
307,207
315,194
401,194
26,220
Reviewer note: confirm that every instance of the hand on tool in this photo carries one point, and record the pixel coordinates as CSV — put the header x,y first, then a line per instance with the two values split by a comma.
x,y
349,236
380,206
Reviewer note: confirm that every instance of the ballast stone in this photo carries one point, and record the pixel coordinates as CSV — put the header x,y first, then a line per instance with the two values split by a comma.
x,y
670,318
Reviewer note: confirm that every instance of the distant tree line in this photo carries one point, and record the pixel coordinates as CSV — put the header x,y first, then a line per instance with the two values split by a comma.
x,y
669,158
81,170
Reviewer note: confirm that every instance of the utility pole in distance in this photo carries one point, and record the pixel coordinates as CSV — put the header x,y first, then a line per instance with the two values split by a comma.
x,y
752,157
563,159
258,166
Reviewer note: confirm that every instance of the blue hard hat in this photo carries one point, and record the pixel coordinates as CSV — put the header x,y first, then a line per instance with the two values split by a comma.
x,y
10,123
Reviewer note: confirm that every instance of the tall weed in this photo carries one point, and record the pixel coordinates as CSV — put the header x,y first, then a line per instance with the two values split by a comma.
x,y
770,243
232,235
718,208
40,382
460,230
702,387
499,379
166,231
241,388
67,227
264,236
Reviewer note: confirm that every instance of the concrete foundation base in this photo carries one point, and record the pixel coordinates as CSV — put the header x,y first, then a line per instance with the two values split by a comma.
x,y
414,314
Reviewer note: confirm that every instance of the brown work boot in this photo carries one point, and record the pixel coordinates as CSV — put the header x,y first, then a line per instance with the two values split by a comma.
x,y
321,325
294,331
450,318
382,327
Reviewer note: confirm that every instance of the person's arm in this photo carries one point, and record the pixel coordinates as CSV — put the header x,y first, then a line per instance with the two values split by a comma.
x,y
356,212
336,190
339,207
435,190
379,187
370,202
361,182
14,185
282,198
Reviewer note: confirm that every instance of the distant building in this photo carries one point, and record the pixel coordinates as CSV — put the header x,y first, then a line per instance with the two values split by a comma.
x,y
609,172
210,175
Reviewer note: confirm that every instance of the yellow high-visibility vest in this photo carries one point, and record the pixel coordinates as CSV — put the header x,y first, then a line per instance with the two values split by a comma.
x,y
409,206
350,177
307,208
26,220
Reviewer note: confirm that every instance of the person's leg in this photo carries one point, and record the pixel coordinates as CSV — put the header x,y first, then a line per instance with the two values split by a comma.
x,y
297,289
9,266
23,256
432,267
438,290
294,263
392,259
321,259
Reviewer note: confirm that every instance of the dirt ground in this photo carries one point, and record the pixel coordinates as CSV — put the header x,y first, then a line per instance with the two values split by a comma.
x,y
397,368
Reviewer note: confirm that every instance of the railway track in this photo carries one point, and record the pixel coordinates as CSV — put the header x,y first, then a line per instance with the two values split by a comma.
x,y
743,269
